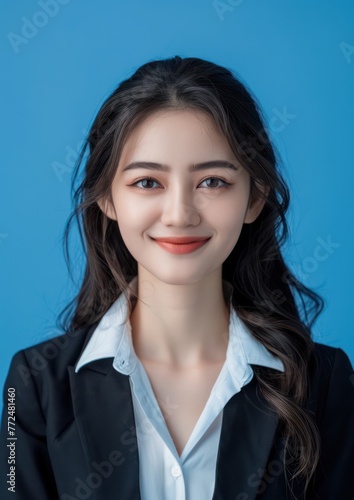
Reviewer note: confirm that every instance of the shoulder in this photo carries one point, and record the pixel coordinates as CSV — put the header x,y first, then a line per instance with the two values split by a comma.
x,y
331,404
325,359
50,359
331,379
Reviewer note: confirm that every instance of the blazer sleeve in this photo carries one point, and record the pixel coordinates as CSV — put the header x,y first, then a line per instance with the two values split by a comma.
x,y
335,473
34,477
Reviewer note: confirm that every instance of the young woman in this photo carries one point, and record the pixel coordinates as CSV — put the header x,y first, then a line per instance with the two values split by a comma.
x,y
186,369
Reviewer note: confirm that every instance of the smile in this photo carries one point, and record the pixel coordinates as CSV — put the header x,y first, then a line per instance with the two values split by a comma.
x,y
181,245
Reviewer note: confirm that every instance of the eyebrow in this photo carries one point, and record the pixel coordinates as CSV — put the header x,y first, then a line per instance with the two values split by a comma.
x,y
194,168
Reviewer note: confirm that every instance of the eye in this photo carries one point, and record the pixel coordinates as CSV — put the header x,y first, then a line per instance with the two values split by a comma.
x,y
146,183
214,180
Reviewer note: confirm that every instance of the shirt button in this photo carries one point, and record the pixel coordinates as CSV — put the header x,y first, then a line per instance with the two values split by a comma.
x,y
176,471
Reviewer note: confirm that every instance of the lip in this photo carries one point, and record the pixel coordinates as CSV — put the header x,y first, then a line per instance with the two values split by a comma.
x,y
181,245
182,240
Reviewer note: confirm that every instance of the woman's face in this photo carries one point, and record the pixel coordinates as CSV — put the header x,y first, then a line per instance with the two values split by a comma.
x,y
177,177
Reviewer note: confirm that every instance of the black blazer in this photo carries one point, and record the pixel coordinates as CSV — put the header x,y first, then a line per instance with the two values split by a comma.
x,y
76,432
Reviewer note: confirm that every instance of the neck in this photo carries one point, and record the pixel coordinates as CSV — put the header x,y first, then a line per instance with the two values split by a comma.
x,y
180,325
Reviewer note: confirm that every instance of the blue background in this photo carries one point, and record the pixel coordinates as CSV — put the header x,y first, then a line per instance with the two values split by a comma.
x,y
297,57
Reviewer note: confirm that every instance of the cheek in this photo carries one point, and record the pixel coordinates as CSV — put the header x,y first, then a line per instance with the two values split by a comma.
x,y
133,217
227,219
227,214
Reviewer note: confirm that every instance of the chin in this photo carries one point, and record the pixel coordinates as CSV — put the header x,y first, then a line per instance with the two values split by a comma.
x,y
175,276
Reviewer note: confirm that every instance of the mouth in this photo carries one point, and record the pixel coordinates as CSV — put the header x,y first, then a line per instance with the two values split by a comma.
x,y
181,240
181,245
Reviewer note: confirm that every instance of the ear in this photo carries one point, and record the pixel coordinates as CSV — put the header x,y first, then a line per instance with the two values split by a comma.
x,y
256,202
107,207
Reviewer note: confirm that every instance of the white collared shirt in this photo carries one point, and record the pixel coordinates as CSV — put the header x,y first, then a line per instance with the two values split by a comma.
x,y
163,474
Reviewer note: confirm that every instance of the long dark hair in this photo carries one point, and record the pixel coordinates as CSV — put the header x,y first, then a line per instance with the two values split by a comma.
x,y
277,309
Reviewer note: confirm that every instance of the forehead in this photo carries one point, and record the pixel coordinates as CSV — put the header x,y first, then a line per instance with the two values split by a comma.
x,y
178,134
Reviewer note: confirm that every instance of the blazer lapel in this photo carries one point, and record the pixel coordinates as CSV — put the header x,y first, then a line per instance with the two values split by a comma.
x,y
104,414
247,434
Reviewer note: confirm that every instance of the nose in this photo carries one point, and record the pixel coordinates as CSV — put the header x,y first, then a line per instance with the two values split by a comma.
x,y
179,208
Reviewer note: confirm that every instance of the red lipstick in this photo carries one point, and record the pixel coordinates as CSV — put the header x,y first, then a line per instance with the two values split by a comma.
x,y
182,244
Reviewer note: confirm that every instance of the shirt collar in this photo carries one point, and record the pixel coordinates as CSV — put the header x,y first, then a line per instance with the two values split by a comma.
x,y
112,338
